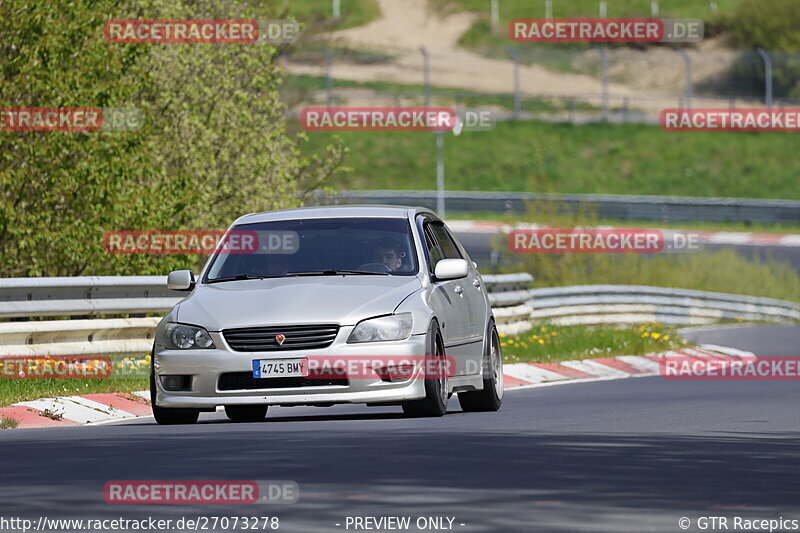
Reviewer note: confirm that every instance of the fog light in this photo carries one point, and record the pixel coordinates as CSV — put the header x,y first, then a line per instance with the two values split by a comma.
x,y
175,383
393,373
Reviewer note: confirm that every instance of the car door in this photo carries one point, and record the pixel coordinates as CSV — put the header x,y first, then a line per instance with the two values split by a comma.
x,y
474,293
471,297
447,302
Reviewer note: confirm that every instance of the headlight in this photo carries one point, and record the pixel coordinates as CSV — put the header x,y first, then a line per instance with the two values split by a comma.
x,y
385,328
183,337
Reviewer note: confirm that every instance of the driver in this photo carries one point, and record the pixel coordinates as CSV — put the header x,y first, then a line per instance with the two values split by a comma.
x,y
387,254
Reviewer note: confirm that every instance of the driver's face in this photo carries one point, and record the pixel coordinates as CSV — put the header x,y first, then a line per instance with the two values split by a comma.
x,y
389,257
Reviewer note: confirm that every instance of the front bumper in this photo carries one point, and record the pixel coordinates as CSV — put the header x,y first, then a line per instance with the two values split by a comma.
x,y
205,367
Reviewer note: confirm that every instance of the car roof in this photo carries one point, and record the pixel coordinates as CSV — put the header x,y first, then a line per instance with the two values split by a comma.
x,y
334,211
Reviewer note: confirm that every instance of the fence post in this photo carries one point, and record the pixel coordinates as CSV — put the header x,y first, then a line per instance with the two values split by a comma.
x,y
602,8
495,10
328,78
654,8
440,174
426,65
548,9
336,8
517,101
604,74
713,6
767,75
688,63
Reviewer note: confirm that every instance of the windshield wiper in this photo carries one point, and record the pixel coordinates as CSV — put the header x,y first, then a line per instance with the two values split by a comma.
x,y
238,277
336,272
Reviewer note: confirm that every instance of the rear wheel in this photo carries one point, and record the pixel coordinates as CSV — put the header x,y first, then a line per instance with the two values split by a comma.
x,y
491,397
246,413
166,416
436,396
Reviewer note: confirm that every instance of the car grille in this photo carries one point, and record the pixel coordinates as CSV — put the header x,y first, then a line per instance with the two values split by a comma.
x,y
246,381
262,339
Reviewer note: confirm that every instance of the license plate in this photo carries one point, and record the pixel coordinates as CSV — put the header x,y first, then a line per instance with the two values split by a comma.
x,y
280,368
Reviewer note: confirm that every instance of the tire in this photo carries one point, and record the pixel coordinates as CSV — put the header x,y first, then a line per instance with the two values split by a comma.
x,y
435,401
491,397
246,413
169,416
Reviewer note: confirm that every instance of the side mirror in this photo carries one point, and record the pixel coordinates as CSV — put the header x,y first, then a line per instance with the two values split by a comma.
x,y
451,269
180,280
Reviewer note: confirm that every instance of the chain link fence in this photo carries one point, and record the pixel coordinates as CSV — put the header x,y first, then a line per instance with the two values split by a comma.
x,y
546,82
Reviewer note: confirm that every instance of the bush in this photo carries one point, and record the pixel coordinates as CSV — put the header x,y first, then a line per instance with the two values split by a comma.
x,y
213,145
718,271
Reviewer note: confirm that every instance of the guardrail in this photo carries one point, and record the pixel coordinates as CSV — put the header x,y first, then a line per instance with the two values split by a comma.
x,y
85,296
96,296
630,304
620,207
509,296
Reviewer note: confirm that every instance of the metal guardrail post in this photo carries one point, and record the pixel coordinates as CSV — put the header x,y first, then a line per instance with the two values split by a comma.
x,y
688,89
517,101
767,76
440,174
494,8
426,65
604,75
328,78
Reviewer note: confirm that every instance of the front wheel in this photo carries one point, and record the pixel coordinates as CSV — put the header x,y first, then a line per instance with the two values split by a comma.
x,y
436,396
491,397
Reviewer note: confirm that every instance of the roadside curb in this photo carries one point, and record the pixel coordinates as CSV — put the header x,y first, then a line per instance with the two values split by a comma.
x,y
97,409
531,375
706,237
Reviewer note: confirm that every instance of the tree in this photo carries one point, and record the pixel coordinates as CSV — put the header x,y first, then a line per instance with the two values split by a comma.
x,y
213,144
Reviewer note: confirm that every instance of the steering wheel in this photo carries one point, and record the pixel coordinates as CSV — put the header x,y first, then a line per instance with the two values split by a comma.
x,y
375,267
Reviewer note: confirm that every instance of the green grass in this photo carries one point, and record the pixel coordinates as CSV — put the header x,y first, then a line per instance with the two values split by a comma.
x,y
440,96
512,219
8,423
548,343
354,12
481,35
132,376
563,158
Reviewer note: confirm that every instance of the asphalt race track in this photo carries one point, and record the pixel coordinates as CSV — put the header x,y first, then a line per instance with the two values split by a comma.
x,y
629,455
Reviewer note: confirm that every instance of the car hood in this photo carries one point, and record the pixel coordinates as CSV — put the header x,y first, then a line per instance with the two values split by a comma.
x,y
302,300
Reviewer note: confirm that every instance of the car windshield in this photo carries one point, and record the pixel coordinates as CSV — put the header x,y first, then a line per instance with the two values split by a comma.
x,y
315,247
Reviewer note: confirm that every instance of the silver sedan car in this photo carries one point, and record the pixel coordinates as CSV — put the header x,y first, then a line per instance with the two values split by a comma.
x,y
378,305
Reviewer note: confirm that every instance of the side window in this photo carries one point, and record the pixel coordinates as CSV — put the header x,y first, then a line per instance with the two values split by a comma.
x,y
434,252
449,248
